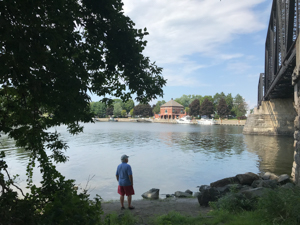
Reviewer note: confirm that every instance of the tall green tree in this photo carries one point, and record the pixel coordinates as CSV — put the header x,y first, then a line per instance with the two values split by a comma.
x,y
240,106
229,102
217,97
208,97
184,100
123,113
132,112
222,108
156,108
195,108
117,109
128,105
52,55
187,110
110,110
98,109
207,107
143,110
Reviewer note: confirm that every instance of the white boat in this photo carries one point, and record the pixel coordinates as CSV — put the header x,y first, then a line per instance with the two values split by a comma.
x,y
111,119
204,121
186,120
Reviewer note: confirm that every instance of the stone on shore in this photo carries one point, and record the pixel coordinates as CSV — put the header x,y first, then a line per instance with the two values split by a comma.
x,y
189,192
212,194
224,182
265,183
249,185
151,194
247,178
269,176
283,179
254,193
180,194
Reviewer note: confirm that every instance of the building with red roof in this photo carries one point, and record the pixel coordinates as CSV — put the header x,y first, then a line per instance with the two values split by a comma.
x,y
171,110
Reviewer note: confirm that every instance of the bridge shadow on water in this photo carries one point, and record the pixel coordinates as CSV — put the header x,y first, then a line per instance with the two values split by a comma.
x,y
275,153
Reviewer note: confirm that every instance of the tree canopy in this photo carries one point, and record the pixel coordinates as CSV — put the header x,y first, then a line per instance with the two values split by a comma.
x,y
236,106
240,106
156,108
207,107
143,110
98,109
222,108
194,108
52,54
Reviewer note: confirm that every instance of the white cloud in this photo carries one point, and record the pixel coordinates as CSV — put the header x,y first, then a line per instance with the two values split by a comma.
x,y
179,79
238,67
231,56
185,27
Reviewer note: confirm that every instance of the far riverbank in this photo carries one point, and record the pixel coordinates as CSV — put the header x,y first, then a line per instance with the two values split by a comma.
x,y
194,121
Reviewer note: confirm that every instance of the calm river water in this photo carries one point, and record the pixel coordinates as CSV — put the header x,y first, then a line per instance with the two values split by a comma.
x,y
171,157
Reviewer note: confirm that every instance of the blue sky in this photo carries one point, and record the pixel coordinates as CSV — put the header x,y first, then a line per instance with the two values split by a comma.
x,y
205,46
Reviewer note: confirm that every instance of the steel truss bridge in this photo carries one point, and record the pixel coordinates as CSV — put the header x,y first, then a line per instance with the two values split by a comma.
x,y
280,51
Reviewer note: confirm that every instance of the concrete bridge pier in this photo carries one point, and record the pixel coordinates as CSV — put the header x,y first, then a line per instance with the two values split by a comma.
x,y
296,84
273,117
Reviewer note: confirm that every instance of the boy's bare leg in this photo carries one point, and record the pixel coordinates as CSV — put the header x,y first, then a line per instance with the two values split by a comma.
x,y
122,200
129,200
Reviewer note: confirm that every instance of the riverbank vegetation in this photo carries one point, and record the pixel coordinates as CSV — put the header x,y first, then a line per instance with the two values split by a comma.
x,y
276,207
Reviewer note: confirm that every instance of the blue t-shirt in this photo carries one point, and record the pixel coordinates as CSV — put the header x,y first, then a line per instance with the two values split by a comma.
x,y
123,171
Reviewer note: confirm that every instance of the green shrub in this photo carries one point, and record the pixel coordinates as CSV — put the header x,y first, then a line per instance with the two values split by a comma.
x,y
122,219
175,218
281,206
68,207
234,202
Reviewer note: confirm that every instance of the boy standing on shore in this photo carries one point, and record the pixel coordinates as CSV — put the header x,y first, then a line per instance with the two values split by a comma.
x,y
124,177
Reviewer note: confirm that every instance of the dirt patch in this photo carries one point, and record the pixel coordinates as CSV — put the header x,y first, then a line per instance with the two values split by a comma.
x,y
146,209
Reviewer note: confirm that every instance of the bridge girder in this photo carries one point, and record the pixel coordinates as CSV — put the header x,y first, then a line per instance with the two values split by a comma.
x,y
280,53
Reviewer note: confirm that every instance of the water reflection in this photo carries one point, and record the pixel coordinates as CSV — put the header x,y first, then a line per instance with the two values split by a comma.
x,y
207,140
275,153
8,146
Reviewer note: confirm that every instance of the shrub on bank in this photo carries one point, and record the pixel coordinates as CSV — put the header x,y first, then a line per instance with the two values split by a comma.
x,y
281,206
278,206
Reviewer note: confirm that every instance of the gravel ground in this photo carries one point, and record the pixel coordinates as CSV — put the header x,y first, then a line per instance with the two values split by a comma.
x,y
146,209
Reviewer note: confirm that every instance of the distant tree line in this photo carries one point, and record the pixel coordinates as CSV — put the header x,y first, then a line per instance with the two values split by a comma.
x,y
121,109
219,105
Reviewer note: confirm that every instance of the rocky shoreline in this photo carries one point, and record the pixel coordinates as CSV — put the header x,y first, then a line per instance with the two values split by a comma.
x,y
250,185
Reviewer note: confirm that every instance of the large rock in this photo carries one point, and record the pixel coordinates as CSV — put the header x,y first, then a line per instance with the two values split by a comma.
x,y
269,176
254,193
189,192
247,178
265,183
210,194
203,187
180,194
151,194
283,179
224,182
196,194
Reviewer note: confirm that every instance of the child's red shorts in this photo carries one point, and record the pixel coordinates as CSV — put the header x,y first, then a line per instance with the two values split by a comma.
x,y
125,190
